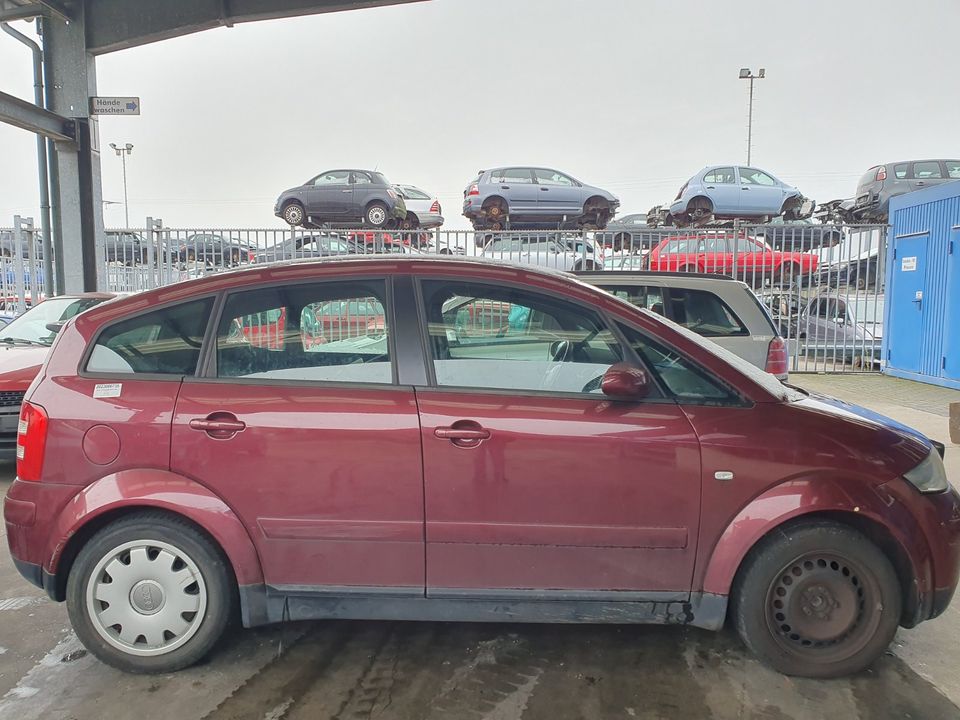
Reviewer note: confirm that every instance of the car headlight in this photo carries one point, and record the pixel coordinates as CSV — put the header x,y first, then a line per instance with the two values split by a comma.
x,y
929,476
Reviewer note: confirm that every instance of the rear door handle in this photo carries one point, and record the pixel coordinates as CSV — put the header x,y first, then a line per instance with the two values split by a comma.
x,y
505,187
710,187
544,189
346,191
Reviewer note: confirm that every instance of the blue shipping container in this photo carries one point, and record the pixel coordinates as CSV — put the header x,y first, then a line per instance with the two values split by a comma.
x,y
921,339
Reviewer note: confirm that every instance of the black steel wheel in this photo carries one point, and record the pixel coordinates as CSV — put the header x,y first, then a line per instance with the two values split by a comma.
x,y
817,599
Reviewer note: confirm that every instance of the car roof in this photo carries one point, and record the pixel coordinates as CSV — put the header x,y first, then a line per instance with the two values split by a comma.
x,y
648,274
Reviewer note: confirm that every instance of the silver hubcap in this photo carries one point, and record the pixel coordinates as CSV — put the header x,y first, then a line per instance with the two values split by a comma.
x,y
376,216
146,597
294,215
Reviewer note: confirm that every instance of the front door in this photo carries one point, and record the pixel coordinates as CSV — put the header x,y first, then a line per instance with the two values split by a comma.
x,y
328,194
535,480
559,194
907,300
300,424
760,194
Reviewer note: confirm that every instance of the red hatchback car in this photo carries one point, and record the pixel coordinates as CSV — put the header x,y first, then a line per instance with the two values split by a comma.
x,y
737,255
588,462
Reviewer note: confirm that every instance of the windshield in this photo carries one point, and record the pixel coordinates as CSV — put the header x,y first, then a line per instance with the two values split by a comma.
x,y
31,327
867,310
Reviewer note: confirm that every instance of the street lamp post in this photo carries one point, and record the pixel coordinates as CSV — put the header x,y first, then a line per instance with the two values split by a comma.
x,y
122,152
747,74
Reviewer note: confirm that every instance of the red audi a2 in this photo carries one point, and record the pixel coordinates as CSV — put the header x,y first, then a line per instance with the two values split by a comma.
x,y
508,444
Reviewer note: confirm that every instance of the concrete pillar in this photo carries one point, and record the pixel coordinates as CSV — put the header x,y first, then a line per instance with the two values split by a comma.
x,y
71,78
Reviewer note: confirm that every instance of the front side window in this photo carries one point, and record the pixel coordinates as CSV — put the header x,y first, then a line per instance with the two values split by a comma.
x,y
685,380
334,177
704,313
552,177
162,342
752,176
686,245
489,337
319,332
722,175
925,170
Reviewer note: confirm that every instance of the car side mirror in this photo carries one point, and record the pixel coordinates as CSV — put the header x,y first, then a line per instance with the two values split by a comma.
x,y
625,381
839,320
55,327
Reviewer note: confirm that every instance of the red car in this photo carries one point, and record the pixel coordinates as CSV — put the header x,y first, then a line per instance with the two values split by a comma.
x,y
24,344
739,256
588,462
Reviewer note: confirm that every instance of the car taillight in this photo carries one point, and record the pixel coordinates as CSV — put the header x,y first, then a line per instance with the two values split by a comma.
x,y
251,256
392,193
435,208
31,441
681,191
474,190
777,357
881,173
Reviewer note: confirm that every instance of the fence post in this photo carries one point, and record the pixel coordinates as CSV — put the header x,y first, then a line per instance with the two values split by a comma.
x,y
19,227
151,268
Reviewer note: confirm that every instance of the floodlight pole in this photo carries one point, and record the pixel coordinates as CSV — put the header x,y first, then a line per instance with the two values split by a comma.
x,y
123,151
746,74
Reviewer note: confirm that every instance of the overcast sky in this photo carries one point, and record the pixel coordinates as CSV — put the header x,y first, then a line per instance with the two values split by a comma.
x,y
632,96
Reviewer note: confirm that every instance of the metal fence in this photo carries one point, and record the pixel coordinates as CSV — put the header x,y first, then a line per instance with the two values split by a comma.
x,y
823,285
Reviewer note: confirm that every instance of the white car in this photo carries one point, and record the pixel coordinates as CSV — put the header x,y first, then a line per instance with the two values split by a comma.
x,y
546,249
423,209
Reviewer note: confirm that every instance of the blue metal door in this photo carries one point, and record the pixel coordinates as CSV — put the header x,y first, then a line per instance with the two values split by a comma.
x,y
951,325
907,301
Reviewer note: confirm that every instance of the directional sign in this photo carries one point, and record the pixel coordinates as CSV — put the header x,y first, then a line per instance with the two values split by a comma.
x,y
114,106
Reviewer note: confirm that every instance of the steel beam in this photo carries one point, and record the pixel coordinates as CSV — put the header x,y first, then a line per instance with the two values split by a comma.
x,y
28,116
21,12
118,24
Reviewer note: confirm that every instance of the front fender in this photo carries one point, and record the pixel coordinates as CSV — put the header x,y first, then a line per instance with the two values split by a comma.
x,y
162,490
797,498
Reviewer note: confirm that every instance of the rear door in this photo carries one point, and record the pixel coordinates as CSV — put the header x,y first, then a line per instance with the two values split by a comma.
x,y
309,438
559,194
721,187
927,173
517,186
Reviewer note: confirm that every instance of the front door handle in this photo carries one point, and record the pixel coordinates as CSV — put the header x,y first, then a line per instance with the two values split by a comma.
x,y
505,187
463,433
346,191
219,425
544,189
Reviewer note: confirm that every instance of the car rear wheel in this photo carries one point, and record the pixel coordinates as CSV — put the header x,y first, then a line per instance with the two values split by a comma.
x,y
377,215
817,599
293,214
150,594
596,213
688,269
700,209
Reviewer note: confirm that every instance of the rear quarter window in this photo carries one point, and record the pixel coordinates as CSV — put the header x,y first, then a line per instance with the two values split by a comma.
x,y
704,313
162,342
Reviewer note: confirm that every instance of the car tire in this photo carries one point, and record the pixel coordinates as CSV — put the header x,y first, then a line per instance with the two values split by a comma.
x,y
135,551
293,214
376,215
817,599
788,274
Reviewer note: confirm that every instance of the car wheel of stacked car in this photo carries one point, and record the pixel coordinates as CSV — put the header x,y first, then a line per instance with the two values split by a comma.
x,y
621,242
788,275
817,599
150,593
377,215
699,210
293,214
596,213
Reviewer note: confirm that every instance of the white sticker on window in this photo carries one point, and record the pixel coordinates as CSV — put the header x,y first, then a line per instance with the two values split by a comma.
x,y
107,390
908,264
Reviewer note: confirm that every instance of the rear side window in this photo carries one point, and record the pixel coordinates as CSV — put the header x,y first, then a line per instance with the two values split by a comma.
x,y
320,332
953,169
649,298
924,170
900,171
162,342
704,313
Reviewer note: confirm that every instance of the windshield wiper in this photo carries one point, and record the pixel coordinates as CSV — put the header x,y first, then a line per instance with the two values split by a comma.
x,y
25,341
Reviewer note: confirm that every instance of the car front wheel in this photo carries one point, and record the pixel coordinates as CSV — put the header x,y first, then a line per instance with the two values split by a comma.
x,y
377,215
150,594
293,214
817,599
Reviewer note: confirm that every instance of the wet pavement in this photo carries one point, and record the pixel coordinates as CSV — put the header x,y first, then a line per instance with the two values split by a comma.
x,y
353,670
